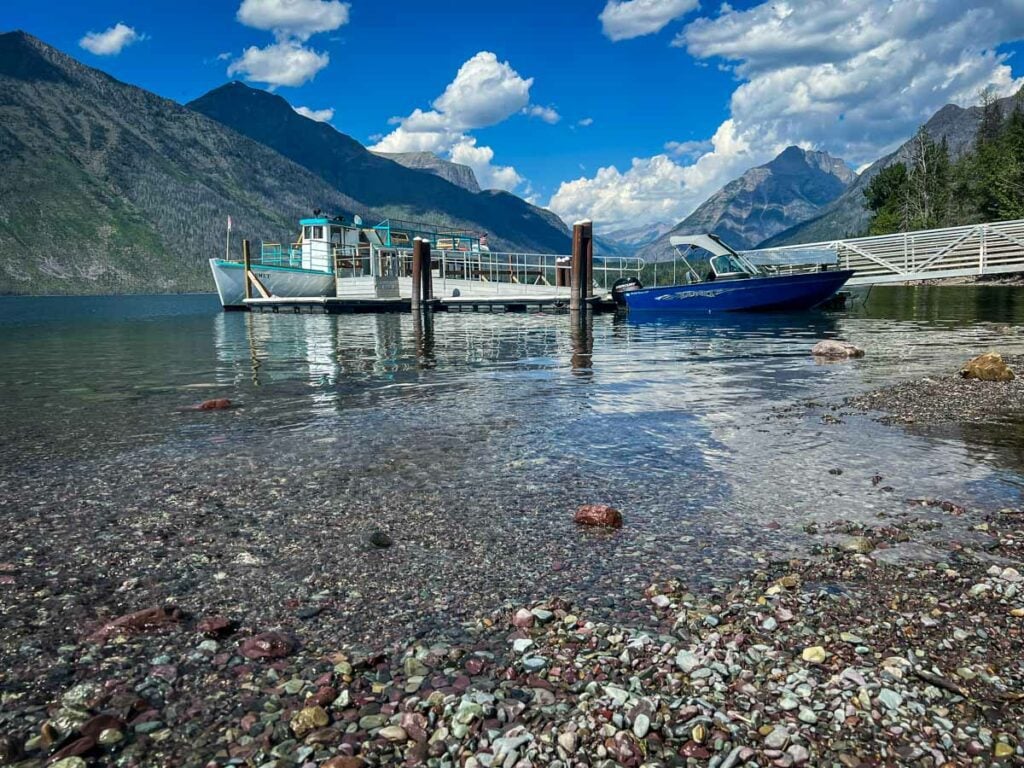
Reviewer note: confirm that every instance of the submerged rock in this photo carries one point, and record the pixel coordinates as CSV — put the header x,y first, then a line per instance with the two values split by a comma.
x,y
831,349
600,515
141,621
987,367
217,404
268,645
380,539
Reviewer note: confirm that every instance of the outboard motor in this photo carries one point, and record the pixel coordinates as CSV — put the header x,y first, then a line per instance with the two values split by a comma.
x,y
622,286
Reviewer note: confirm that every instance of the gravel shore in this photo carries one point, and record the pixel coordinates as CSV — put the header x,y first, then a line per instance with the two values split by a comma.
x,y
948,399
866,652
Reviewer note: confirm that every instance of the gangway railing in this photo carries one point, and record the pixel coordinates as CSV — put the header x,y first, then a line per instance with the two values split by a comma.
x,y
975,249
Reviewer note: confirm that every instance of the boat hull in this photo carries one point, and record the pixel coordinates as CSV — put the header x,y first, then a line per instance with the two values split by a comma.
x,y
756,294
283,282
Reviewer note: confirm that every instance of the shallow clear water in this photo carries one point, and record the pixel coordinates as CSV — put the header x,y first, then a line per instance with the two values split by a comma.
x,y
515,417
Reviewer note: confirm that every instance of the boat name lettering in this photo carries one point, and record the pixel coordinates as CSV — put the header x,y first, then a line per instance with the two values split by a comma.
x,y
690,295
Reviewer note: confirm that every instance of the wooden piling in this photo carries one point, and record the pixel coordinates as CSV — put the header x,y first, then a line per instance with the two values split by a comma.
x,y
246,264
428,274
576,269
417,272
587,278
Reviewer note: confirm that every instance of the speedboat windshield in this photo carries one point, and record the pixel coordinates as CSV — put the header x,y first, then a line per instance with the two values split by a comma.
x,y
708,258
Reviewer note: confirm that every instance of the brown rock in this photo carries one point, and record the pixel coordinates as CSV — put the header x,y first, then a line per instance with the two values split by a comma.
x,y
74,749
831,349
268,645
343,762
600,515
214,405
141,621
96,725
987,367
215,626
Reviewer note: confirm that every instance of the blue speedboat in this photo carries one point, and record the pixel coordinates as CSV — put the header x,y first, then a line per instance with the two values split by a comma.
x,y
723,280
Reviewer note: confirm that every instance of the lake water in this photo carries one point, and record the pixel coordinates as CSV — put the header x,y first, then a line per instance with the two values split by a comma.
x,y
473,437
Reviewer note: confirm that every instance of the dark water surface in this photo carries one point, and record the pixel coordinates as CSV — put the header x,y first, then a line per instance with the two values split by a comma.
x,y
481,430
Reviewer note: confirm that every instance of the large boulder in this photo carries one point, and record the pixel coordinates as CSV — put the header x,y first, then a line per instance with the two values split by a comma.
x,y
987,367
831,349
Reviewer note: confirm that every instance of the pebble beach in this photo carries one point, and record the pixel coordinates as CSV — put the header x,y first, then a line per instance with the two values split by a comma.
x,y
167,608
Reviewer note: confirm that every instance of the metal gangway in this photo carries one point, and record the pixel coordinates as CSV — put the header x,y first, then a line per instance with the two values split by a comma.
x,y
931,254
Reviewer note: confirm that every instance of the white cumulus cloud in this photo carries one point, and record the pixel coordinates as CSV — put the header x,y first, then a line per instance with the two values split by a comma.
x,y
548,114
320,115
298,19
585,122
854,78
484,92
110,41
635,18
284,63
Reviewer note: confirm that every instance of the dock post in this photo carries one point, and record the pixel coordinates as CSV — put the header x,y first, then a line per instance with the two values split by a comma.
x,y
246,264
417,272
427,272
576,269
587,278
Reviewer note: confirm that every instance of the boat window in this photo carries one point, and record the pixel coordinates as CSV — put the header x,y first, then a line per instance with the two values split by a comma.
x,y
725,264
318,233
335,234
309,233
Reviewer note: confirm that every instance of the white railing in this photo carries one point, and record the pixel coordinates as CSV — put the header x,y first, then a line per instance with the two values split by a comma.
x,y
497,273
976,249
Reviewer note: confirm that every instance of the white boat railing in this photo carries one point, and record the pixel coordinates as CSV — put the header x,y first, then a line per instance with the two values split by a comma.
x,y
504,273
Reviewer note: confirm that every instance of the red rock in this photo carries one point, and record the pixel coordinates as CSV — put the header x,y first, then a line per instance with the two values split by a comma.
x,y
474,666
268,645
214,405
600,515
693,749
324,696
215,626
140,621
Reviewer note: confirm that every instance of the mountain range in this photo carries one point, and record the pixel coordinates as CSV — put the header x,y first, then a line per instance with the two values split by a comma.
x,y
106,187
766,200
848,215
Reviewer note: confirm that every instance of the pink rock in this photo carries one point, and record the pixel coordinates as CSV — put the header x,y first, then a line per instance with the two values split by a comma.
x,y
600,515
523,619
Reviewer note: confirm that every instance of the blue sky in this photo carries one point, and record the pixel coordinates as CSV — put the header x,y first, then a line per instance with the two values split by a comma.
x,y
654,80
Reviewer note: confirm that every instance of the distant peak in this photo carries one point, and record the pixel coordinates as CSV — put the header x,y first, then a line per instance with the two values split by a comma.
x,y
792,151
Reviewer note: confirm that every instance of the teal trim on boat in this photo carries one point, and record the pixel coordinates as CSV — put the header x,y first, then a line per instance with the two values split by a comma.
x,y
257,266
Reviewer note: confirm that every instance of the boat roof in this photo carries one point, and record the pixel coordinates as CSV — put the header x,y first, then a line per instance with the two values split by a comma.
x,y
792,256
709,243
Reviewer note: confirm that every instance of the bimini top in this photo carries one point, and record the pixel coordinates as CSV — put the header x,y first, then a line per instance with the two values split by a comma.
x,y
709,243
